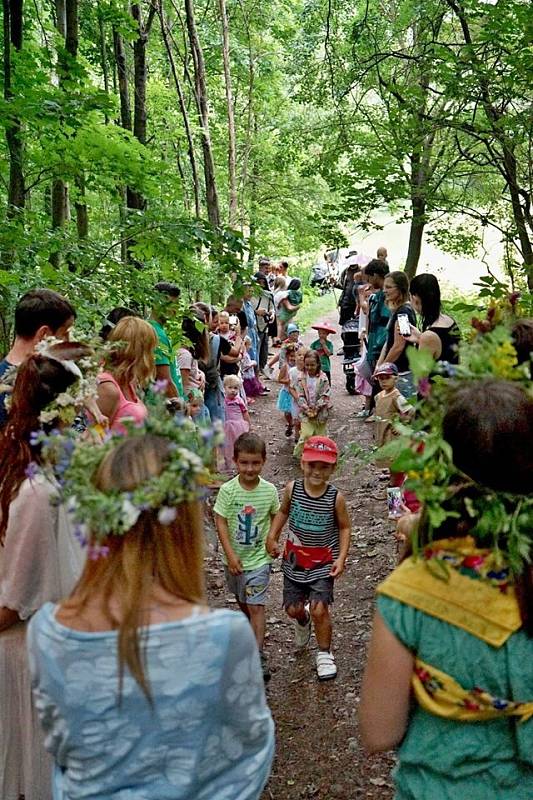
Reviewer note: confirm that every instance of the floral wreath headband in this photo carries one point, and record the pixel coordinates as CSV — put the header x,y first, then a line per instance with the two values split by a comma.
x,y
502,519
99,514
72,460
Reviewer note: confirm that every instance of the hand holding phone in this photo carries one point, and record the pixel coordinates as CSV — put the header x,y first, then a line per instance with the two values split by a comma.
x,y
404,325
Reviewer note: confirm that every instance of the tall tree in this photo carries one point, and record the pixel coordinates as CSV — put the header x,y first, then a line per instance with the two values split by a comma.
x,y
135,200
183,108
13,27
497,93
232,178
201,96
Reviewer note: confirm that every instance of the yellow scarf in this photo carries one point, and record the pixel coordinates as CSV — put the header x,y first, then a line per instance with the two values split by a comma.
x,y
469,588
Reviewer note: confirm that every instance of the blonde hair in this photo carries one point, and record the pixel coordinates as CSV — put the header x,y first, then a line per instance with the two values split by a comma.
x,y
280,282
170,554
234,380
133,360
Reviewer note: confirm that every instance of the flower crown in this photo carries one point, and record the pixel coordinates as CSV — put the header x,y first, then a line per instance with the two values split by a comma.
x,y
98,514
420,451
82,394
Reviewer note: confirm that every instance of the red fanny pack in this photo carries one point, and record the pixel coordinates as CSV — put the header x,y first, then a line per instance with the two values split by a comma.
x,y
302,557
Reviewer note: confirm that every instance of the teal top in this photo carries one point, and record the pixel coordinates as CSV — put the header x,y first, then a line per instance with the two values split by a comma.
x,y
441,759
164,355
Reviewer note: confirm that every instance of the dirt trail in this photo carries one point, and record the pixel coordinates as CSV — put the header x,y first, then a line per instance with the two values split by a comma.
x,y
318,751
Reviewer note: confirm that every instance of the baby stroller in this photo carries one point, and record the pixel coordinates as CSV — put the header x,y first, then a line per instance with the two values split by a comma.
x,y
351,347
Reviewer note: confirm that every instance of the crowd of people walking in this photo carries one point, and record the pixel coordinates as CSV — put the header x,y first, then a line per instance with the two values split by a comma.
x,y
116,679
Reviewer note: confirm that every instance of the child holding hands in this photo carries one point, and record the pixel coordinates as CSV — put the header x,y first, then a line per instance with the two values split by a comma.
x,y
244,510
284,398
313,400
316,548
295,373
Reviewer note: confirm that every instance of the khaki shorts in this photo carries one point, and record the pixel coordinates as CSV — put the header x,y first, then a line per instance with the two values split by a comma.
x,y
251,586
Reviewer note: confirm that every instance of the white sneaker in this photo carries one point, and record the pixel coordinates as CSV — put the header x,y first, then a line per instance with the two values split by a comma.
x,y
326,669
302,633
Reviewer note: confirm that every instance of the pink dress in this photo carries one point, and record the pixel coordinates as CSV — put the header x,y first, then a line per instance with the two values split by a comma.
x,y
234,425
134,410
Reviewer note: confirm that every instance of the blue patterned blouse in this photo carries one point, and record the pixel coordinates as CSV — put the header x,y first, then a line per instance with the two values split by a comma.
x,y
208,736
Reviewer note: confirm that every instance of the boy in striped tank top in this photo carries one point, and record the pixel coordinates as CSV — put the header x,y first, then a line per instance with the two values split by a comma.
x,y
316,548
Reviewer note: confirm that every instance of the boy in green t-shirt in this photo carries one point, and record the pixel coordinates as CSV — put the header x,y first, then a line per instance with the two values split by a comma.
x,y
244,509
324,347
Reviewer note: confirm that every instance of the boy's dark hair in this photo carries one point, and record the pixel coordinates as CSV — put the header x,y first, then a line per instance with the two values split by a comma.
x,y
249,443
41,307
489,425
377,267
171,289
522,335
114,316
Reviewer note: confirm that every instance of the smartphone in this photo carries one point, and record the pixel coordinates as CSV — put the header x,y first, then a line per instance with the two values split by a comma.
x,y
394,502
404,324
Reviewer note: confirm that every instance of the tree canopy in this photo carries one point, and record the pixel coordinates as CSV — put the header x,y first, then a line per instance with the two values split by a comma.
x,y
179,139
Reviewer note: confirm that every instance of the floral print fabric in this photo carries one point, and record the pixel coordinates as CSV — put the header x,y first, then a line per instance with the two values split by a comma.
x,y
209,733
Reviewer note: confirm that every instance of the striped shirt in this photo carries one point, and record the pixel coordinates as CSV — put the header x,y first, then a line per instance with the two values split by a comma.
x,y
312,523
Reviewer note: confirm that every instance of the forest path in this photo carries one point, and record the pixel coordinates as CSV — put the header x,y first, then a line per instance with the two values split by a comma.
x,y
318,753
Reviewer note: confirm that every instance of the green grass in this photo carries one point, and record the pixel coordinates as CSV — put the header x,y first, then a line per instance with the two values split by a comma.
x,y
315,308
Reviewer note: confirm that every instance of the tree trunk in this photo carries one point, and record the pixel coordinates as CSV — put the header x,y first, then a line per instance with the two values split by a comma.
x,y
134,199
232,181
71,46
125,122
418,214
59,204
123,89
200,83
184,112
13,10
254,183
416,235
103,56
59,187
82,215
249,124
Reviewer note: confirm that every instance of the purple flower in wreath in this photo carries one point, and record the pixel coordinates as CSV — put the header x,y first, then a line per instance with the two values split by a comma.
x,y
32,470
97,551
160,386
35,438
424,387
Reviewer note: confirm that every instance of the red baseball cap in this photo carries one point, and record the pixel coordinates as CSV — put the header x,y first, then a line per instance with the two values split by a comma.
x,y
320,448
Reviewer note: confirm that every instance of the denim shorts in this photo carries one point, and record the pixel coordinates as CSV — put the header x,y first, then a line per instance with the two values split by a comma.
x,y
251,586
296,592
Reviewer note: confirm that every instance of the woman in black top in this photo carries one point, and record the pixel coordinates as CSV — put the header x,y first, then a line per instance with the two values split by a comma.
x,y
440,333
396,288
